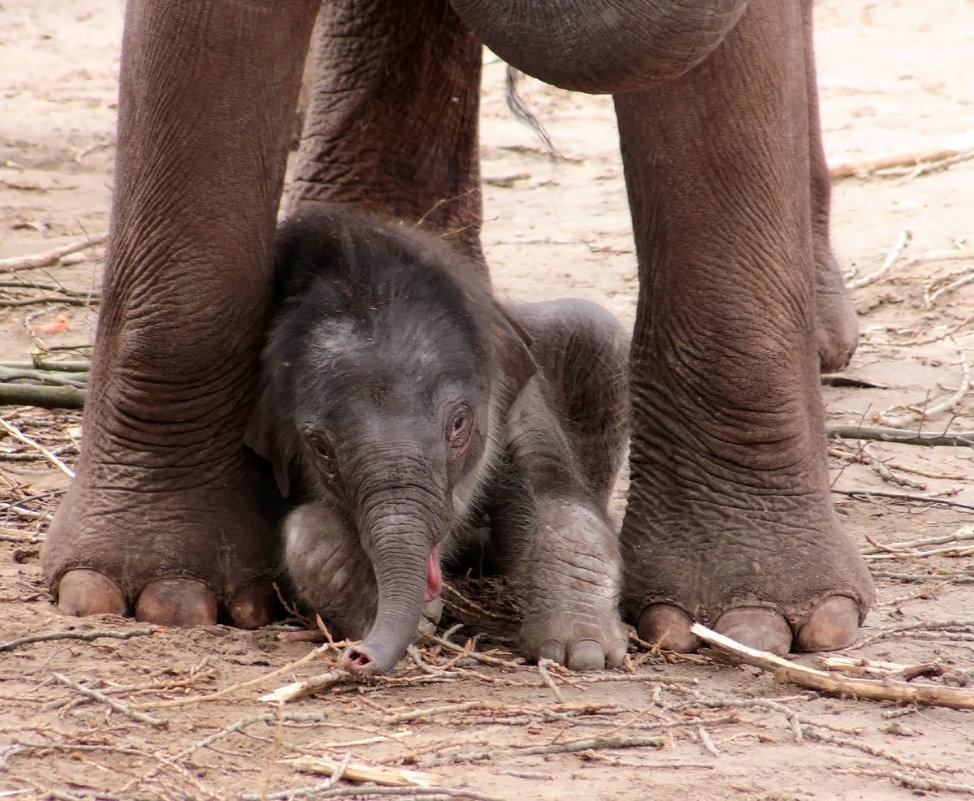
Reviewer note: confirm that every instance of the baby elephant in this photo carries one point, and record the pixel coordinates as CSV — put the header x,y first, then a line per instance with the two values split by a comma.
x,y
408,412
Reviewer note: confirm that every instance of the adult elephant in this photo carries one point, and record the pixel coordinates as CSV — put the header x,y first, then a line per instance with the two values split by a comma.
x,y
729,518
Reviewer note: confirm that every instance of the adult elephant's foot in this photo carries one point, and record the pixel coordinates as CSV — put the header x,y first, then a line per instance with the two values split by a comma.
x,y
836,323
182,557
832,624
775,590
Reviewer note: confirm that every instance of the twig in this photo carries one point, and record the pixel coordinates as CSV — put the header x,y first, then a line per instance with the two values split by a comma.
x,y
888,262
49,257
900,435
950,577
787,672
811,731
37,446
485,658
885,472
903,496
43,376
920,783
310,686
236,687
963,387
929,625
87,636
591,744
42,397
543,665
325,790
866,167
415,714
353,772
707,742
116,705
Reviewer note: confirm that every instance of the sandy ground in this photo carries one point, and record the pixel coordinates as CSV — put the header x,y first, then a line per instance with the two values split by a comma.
x,y
894,79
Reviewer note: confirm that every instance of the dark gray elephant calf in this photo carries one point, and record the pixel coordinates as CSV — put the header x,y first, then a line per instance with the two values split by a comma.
x,y
401,404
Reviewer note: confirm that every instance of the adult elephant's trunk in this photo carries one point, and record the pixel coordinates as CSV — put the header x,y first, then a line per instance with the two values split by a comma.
x,y
601,45
399,533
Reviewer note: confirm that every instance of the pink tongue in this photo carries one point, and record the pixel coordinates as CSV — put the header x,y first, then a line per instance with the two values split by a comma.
x,y
434,579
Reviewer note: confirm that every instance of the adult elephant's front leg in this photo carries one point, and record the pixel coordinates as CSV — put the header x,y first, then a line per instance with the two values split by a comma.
x,y
166,516
730,520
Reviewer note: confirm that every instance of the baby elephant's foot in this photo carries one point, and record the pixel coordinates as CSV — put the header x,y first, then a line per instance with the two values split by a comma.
x,y
833,624
572,602
580,636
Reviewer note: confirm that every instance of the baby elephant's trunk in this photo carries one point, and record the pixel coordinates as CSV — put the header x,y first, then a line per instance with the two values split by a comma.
x,y
399,533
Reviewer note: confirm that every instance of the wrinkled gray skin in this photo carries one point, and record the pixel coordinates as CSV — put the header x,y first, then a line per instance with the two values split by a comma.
x,y
729,518
404,405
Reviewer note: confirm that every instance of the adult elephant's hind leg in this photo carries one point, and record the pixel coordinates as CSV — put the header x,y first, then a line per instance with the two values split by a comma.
x,y
730,520
836,323
167,517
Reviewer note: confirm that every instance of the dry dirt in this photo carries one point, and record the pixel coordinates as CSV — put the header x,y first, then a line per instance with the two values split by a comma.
x,y
894,79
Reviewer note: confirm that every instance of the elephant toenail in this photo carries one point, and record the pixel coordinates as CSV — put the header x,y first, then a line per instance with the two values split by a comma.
x,y
587,655
177,602
87,592
667,627
756,627
553,650
254,606
833,624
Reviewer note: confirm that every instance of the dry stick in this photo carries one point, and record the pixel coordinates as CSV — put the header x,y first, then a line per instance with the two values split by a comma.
x,y
787,672
885,472
901,436
429,712
952,577
590,744
476,655
52,377
888,262
543,665
963,533
912,782
49,257
386,776
938,625
87,636
897,421
813,734
235,687
325,790
43,397
37,446
903,496
851,169
310,686
116,705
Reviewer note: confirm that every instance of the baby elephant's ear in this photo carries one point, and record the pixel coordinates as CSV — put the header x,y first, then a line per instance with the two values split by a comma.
x,y
515,353
262,437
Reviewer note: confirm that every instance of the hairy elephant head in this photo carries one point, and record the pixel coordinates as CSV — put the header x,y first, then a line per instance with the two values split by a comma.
x,y
387,374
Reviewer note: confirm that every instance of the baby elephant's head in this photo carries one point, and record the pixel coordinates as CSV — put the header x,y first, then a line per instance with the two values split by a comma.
x,y
387,377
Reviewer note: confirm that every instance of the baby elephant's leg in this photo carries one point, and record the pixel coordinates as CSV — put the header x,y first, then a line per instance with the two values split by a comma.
x,y
583,352
329,569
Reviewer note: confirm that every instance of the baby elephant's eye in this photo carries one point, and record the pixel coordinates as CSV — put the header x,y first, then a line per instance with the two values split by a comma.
x,y
458,432
322,456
